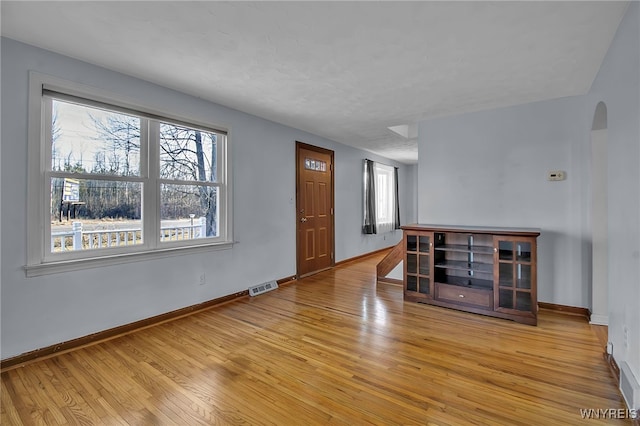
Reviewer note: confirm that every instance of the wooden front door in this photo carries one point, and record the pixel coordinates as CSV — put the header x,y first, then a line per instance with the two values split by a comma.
x,y
314,208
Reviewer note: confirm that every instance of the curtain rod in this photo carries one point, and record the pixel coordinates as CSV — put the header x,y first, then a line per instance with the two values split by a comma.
x,y
380,162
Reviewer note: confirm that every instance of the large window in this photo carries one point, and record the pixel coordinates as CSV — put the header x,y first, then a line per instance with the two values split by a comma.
x,y
116,180
381,212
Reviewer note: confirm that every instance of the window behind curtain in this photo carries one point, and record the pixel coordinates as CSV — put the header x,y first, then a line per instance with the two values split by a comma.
x,y
385,197
381,198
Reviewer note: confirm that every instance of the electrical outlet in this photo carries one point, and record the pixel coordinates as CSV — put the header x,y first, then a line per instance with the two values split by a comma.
x,y
203,279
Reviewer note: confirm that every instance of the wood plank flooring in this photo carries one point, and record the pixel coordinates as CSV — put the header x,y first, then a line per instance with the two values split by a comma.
x,y
333,348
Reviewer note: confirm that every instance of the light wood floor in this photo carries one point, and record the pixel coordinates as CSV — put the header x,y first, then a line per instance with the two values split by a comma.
x,y
330,349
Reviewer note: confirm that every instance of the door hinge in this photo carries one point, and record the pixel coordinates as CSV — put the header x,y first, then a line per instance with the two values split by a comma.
x,y
331,255
331,210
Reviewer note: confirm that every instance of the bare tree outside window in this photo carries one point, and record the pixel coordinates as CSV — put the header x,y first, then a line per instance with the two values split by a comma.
x,y
189,155
96,142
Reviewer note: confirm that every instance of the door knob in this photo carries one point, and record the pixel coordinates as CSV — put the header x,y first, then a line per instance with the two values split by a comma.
x,y
303,219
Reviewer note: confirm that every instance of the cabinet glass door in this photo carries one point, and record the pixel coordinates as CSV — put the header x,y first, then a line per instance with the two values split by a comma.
x,y
418,264
514,264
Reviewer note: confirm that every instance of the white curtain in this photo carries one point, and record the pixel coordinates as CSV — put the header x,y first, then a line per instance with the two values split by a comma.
x,y
381,206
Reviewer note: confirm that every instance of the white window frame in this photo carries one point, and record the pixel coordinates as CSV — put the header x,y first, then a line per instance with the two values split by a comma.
x,y
40,259
387,193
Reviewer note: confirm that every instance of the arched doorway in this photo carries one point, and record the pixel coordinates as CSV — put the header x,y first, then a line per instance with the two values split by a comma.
x,y
599,225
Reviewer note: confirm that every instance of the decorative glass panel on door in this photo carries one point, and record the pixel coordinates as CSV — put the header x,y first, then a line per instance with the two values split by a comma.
x,y
523,301
418,265
506,250
412,263
412,242
506,274
424,264
412,283
514,274
523,276
506,299
523,252
424,285
424,245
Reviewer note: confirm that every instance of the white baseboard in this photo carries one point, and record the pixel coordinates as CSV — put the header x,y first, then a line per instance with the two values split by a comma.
x,y
599,319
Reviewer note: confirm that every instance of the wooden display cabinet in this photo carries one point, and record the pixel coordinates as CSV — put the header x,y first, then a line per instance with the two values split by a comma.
x,y
490,271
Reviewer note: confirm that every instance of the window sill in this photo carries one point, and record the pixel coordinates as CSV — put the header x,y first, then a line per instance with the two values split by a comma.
x,y
49,268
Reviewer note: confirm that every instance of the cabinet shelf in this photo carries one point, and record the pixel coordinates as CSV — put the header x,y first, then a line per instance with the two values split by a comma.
x,y
524,285
461,248
467,282
465,266
519,261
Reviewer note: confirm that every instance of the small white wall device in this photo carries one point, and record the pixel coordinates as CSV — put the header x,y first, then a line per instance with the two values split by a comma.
x,y
556,175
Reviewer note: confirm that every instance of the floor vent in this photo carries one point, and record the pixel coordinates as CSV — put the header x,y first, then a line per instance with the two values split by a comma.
x,y
262,288
629,387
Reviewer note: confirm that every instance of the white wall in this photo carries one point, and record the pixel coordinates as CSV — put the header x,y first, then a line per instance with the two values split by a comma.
x,y
350,241
410,213
41,311
489,169
599,227
618,86
0,209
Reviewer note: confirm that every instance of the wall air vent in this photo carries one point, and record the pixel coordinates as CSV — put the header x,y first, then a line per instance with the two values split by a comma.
x,y
629,387
262,288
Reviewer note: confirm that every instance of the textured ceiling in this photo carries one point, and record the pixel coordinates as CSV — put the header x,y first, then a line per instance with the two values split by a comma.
x,y
343,70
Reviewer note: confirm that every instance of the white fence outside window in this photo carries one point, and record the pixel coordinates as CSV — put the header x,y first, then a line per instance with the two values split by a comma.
x,y
79,239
